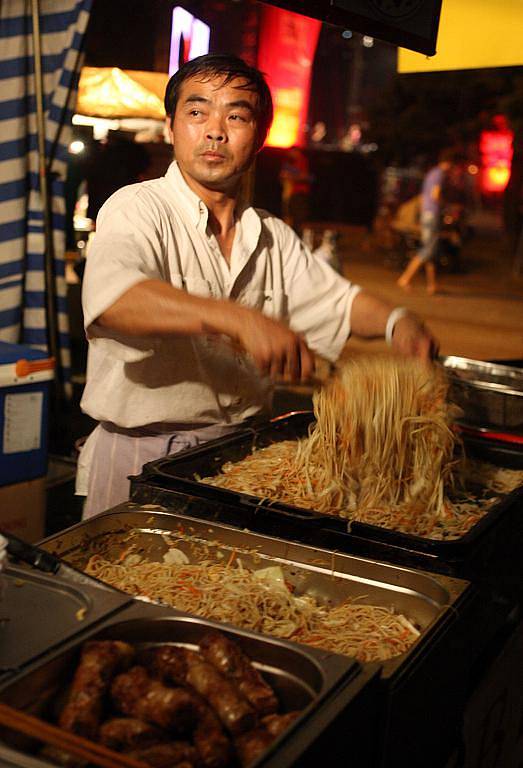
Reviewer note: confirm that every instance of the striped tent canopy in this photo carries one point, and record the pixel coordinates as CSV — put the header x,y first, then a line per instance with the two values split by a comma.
x,y
22,243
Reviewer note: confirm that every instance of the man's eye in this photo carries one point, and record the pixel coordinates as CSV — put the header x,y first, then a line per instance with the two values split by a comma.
x,y
241,118
195,112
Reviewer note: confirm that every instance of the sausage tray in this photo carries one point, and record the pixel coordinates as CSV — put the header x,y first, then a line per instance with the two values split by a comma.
x,y
327,688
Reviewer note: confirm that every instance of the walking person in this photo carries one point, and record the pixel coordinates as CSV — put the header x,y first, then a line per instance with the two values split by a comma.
x,y
430,222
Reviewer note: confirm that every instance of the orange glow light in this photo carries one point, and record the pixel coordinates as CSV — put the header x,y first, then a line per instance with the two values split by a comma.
x,y
496,150
497,178
286,124
286,48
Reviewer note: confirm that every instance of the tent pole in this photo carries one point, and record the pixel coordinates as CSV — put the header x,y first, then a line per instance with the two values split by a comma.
x,y
52,327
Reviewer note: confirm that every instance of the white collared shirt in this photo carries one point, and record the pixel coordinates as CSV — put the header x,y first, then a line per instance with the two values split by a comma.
x,y
159,230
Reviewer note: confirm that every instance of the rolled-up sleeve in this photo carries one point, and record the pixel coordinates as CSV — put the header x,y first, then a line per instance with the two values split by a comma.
x,y
126,250
319,299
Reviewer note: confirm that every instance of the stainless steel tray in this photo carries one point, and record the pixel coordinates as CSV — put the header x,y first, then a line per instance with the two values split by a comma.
x,y
39,611
303,679
489,394
329,576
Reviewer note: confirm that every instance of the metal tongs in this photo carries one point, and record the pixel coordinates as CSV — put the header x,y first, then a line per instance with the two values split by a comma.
x,y
29,553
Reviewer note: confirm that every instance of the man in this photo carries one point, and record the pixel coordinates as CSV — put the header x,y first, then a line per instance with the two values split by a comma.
x,y
195,302
430,223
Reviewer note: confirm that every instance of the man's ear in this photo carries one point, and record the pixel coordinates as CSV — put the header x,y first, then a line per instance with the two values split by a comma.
x,y
168,131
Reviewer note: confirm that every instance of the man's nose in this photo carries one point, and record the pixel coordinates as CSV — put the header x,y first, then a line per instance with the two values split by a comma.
x,y
215,129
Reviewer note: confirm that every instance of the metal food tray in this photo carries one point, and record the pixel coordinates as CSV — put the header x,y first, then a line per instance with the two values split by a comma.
x,y
490,394
326,687
178,473
330,577
458,621
39,611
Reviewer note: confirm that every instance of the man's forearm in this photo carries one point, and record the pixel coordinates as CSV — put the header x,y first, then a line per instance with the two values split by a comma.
x,y
155,308
405,333
369,316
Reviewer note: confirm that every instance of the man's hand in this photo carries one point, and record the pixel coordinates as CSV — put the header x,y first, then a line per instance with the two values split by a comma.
x,y
410,337
277,351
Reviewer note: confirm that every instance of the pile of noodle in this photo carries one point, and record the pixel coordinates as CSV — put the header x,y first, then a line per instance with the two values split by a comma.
x,y
235,595
381,452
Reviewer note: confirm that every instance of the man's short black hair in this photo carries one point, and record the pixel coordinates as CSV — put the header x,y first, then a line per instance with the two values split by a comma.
x,y
231,67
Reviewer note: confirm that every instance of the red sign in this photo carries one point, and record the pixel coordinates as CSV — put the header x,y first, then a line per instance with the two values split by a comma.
x,y
287,44
495,147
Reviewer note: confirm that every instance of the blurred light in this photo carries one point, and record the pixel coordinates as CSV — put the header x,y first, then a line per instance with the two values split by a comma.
x,y
76,147
497,178
347,34
368,42
496,151
473,169
189,38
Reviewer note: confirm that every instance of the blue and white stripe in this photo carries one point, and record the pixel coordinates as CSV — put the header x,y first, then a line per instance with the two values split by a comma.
x,y
22,247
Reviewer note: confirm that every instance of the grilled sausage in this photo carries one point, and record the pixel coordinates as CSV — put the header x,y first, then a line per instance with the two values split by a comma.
x,y
230,660
183,666
136,694
212,743
99,662
174,754
277,724
125,733
252,744
170,664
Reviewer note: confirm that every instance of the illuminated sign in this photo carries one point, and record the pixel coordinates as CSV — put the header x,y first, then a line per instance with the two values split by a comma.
x,y
189,39
496,150
473,34
286,48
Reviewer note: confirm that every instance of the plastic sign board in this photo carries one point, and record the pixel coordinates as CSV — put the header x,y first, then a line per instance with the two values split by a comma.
x,y
473,34
286,48
189,38
409,23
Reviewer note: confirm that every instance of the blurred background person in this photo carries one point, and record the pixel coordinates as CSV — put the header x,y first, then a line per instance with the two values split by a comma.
x,y
431,205
296,181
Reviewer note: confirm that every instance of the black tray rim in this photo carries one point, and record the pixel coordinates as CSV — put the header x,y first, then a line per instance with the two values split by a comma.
x,y
453,549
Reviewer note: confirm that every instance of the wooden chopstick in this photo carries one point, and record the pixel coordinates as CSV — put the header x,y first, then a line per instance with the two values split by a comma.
x,y
69,742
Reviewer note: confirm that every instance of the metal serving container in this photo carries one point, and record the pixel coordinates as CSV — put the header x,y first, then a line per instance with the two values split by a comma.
x,y
490,394
457,623
489,552
40,611
327,688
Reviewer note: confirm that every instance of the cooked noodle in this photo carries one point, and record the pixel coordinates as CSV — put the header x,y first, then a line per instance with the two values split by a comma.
x,y
381,452
235,595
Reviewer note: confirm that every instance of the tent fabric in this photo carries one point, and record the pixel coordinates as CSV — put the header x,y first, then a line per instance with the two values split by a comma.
x,y
111,92
22,243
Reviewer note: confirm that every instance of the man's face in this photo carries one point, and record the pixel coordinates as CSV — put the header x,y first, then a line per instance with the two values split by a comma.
x,y
214,132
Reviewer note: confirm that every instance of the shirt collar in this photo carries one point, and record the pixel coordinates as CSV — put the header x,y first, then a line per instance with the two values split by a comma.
x,y
191,202
250,222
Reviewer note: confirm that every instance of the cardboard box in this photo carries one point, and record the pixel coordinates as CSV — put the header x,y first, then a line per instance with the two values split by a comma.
x,y
22,509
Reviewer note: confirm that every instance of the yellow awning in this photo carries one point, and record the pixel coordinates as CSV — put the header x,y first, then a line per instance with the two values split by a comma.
x,y
112,92
473,34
